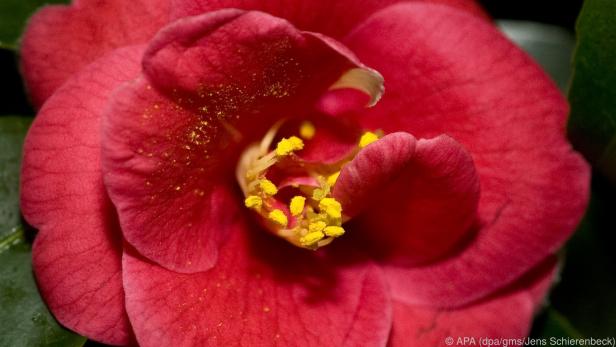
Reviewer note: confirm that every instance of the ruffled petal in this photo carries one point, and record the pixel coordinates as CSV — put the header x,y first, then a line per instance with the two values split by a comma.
x,y
506,315
334,18
77,252
447,72
60,40
262,292
416,199
213,84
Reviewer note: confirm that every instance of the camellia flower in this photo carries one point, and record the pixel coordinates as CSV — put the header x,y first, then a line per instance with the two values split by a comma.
x,y
231,172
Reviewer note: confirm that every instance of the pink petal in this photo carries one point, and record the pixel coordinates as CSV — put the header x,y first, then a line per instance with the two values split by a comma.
x,y
505,315
77,251
60,40
262,292
334,18
417,199
214,84
448,72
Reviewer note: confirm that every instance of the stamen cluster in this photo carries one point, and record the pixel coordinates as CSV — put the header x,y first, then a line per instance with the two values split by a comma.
x,y
310,217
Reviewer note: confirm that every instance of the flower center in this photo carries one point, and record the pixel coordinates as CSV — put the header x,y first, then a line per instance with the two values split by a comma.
x,y
293,197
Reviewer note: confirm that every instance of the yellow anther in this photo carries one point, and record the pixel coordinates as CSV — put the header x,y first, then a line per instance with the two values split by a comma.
x,y
306,130
289,145
316,226
278,217
332,207
296,206
297,142
319,194
367,138
268,187
331,179
333,231
253,201
311,238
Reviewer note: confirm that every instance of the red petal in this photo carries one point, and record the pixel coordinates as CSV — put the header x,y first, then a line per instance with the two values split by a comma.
x,y
262,292
77,251
419,198
342,101
334,139
163,174
372,168
334,18
233,55
219,81
448,72
506,315
60,40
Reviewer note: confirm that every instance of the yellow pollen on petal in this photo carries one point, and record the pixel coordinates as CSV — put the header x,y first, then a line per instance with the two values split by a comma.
x,y
307,130
333,231
331,179
296,206
268,187
332,207
311,238
253,201
367,138
289,145
317,226
278,217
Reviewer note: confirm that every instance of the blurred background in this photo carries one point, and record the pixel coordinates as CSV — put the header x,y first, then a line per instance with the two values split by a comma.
x,y
583,302
558,12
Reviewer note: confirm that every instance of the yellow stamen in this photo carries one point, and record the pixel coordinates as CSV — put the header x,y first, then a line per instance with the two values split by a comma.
x,y
367,138
333,231
297,142
316,222
289,145
254,202
311,238
278,217
331,179
316,226
307,130
268,187
319,194
332,207
296,206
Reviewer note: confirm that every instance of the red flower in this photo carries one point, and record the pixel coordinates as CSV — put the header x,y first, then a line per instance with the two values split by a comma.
x,y
178,176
